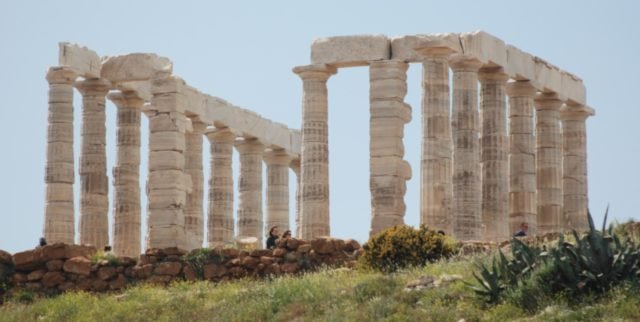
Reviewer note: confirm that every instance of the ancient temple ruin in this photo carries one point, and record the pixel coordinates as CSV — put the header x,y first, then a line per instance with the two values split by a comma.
x,y
505,145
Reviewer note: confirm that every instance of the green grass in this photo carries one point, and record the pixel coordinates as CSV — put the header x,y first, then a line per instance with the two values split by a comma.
x,y
329,295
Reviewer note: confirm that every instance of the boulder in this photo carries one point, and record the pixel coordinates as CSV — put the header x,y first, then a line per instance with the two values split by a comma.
x,y
304,248
168,268
250,262
293,244
106,272
118,283
126,261
78,265
84,283
190,273
289,268
5,258
351,245
99,285
36,275
323,245
174,251
273,269
52,279
260,252
54,265
214,270
237,272
19,277
267,260
27,260
66,286
85,251
148,259
53,251
142,271
279,252
230,252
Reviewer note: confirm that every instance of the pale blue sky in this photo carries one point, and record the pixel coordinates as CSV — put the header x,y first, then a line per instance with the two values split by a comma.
x,y
243,51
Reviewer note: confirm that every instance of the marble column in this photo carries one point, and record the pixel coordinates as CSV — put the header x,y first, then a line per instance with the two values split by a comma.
x,y
59,170
467,189
126,175
220,217
574,180
277,161
388,171
295,166
315,150
522,157
436,186
494,144
94,183
193,210
549,163
250,222
167,185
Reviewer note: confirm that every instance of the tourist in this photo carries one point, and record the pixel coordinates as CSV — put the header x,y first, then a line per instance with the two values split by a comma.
x,y
286,235
43,242
273,236
524,228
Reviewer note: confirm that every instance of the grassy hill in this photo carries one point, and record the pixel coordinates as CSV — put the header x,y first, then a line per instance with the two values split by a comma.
x,y
328,295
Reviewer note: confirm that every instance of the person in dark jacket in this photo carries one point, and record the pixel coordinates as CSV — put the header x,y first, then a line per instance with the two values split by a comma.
x,y
524,228
273,236
286,235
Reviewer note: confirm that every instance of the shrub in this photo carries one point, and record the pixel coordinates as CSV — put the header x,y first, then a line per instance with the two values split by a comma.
x,y
111,259
403,246
198,258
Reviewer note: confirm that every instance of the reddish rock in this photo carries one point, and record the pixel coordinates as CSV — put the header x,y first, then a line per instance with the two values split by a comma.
x,y
214,270
173,258
142,271
78,265
338,244
272,269
267,260
55,265
27,260
190,273
99,285
19,277
279,252
292,257
304,248
235,262
238,272
168,268
118,283
52,279
5,258
281,243
53,251
293,244
106,272
351,245
84,283
126,261
323,245
66,286
85,251
148,259
155,252
174,251
289,268
260,252
36,275
230,252
250,262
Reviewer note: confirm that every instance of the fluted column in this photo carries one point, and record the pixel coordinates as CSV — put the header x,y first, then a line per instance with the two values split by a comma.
x,y
549,163
250,222
315,150
522,153
126,175
220,217
436,186
193,211
467,189
59,170
494,154
295,166
388,171
94,183
167,185
574,181
277,161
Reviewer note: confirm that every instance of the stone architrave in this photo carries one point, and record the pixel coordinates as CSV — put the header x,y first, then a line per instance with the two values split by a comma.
x,y
250,222
467,188
126,175
277,161
295,166
94,183
167,185
436,187
59,170
574,180
220,217
193,211
494,144
388,171
522,155
549,163
315,151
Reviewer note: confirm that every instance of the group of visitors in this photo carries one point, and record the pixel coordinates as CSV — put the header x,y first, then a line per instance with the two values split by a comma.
x,y
273,237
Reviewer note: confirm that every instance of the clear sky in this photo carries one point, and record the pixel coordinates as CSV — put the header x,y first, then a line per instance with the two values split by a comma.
x,y
243,51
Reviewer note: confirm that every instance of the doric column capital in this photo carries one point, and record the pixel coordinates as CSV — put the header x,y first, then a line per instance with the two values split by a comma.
x,y
277,157
547,101
521,89
198,127
434,53
126,99
93,86
463,63
492,75
61,75
320,72
249,146
576,112
220,135
390,64
295,165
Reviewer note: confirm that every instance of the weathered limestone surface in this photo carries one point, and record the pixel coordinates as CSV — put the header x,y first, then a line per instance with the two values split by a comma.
x,y
126,175
193,211
314,214
549,163
167,185
250,222
467,189
494,144
436,185
59,171
388,171
411,48
574,181
135,67
347,51
83,61
277,161
220,217
295,166
94,183
522,154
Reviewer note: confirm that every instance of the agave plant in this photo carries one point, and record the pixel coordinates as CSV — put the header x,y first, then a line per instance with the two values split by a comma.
x,y
490,281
